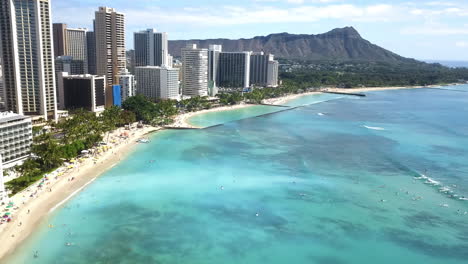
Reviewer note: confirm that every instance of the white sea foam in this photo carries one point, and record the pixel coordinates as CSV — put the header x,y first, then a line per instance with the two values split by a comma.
x,y
70,196
374,128
441,187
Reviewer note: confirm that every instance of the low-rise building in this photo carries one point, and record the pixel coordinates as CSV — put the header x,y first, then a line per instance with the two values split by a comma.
x,y
157,82
127,84
82,91
15,138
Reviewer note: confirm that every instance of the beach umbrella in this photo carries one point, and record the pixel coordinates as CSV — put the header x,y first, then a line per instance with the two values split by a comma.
x,y
10,206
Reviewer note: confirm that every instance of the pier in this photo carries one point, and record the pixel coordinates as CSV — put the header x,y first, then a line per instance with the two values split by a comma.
x,y
342,93
275,105
180,128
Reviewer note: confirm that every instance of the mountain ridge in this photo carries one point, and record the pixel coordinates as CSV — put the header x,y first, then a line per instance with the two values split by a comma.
x,y
343,44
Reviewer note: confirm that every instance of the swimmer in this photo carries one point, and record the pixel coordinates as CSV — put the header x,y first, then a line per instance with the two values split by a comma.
x,y
222,187
257,214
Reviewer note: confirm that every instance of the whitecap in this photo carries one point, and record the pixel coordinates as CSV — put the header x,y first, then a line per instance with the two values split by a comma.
x,y
374,128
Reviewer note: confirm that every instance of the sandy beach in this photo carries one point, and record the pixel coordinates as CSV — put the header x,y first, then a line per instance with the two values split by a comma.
x,y
182,119
33,204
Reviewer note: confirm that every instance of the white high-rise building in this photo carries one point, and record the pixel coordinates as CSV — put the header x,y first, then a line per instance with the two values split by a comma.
x,y
195,71
151,48
110,46
127,84
157,82
272,74
15,138
28,57
213,61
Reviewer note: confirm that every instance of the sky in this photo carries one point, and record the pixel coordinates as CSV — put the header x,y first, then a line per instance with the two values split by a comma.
x,y
433,30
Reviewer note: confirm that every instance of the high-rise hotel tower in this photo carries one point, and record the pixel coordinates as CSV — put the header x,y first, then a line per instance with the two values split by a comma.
x,y
195,71
151,48
110,46
27,52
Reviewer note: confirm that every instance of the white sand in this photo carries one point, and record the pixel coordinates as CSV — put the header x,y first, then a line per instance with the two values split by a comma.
x,y
32,210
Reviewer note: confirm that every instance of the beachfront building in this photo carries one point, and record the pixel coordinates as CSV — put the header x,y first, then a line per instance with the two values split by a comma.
x,y
213,61
110,46
127,84
2,89
195,71
272,75
262,66
15,138
28,57
157,82
233,70
151,48
82,91
3,193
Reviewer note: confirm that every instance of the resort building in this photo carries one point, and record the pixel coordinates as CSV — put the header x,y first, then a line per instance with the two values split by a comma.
x,y
28,57
233,70
213,61
15,138
195,71
151,48
259,69
127,83
272,75
82,91
157,82
110,46
3,193
2,90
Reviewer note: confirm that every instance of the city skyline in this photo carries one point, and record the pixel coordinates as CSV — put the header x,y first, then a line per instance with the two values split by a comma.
x,y
422,30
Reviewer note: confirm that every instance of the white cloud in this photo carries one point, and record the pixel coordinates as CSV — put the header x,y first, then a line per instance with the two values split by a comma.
x,y
461,44
435,30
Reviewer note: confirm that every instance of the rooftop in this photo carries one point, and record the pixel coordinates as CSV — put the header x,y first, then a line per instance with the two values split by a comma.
x,y
6,117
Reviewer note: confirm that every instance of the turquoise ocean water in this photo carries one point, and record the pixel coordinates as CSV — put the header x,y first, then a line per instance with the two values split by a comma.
x,y
332,182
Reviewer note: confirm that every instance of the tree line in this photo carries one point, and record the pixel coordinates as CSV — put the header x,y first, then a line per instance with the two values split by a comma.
x,y
372,74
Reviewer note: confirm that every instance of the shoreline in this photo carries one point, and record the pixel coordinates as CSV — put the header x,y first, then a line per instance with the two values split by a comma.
x,y
34,210
182,119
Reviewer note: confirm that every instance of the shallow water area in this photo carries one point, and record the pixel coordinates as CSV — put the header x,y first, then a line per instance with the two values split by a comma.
x,y
315,184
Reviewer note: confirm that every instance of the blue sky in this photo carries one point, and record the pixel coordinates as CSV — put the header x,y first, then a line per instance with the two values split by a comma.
x,y
417,29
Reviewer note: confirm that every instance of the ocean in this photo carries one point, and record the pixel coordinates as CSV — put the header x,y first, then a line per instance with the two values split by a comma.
x,y
339,179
